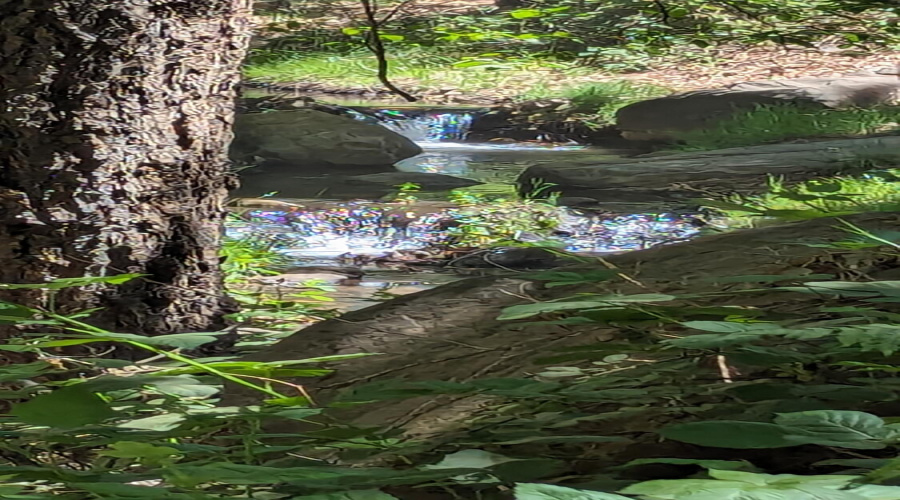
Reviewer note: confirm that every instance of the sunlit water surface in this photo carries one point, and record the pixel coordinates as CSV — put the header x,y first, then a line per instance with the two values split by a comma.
x,y
317,236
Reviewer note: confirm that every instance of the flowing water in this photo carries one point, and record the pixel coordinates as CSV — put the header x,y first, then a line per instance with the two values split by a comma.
x,y
327,222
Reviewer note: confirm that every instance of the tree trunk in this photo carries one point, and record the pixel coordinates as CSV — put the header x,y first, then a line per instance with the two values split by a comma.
x,y
115,119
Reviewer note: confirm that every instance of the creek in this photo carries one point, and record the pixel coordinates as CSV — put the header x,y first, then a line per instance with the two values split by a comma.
x,y
321,222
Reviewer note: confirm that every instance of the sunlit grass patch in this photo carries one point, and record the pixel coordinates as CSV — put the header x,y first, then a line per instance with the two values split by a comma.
x,y
872,192
768,124
414,69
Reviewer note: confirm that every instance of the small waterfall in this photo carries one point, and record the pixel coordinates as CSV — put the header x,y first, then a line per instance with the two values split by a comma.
x,y
424,126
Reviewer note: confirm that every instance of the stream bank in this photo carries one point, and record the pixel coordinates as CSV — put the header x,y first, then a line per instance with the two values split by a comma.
x,y
612,201
339,216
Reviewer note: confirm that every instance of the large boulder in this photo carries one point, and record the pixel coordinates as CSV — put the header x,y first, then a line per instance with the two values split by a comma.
x,y
664,117
311,137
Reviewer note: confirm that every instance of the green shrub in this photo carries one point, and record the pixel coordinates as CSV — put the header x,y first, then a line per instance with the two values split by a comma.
x,y
783,123
872,192
252,254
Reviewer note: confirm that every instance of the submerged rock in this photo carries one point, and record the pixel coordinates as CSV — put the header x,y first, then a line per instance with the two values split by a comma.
x,y
674,180
515,258
307,136
426,181
664,117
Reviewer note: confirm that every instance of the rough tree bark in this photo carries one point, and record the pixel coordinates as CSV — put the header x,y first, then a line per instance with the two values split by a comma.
x,y
115,119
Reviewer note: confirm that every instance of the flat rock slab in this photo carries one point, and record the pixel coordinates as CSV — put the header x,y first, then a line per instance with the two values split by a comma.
x,y
659,180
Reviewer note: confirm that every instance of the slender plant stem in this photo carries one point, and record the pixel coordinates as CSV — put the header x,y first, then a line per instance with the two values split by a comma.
x,y
376,46
92,330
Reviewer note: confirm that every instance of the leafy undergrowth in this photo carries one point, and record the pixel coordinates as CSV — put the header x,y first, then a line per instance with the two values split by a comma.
x,y
485,220
762,387
876,191
270,310
692,45
768,124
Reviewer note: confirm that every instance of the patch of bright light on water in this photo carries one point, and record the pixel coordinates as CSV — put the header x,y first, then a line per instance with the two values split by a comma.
x,y
361,229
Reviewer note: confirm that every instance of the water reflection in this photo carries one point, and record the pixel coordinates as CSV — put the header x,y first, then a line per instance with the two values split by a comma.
x,y
360,228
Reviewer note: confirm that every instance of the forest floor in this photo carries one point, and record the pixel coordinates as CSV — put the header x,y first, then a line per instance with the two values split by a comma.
x,y
433,77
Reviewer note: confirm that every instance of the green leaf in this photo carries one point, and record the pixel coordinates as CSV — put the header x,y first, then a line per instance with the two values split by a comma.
x,y
735,485
61,283
471,64
392,38
65,408
471,459
840,428
525,13
308,477
298,413
887,472
254,368
636,298
533,491
729,327
183,340
766,278
350,495
528,310
10,311
112,491
158,423
351,31
713,341
25,371
884,338
179,340
708,464
183,386
850,289
146,453
731,434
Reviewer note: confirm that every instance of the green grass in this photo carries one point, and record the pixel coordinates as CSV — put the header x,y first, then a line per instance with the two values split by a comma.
x,y
253,254
416,69
872,192
768,124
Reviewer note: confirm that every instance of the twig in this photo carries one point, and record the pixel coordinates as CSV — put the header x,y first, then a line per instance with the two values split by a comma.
x,y
376,46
